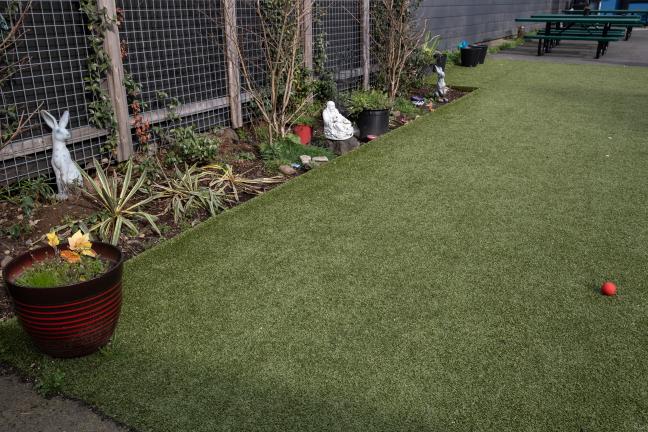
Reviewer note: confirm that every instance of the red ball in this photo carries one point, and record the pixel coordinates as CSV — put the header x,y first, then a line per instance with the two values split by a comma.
x,y
609,289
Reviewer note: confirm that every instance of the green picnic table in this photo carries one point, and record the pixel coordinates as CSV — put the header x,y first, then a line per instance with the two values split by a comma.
x,y
623,12
597,28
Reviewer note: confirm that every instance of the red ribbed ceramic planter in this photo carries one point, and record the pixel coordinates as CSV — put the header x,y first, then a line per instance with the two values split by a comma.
x,y
73,320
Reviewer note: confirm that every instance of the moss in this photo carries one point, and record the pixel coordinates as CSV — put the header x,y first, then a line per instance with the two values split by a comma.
x,y
56,272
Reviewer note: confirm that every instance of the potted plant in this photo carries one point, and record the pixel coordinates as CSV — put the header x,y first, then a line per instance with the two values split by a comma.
x,y
303,128
469,54
371,109
483,50
67,297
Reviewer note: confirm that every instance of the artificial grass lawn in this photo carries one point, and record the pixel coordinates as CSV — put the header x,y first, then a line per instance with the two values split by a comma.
x,y
442,278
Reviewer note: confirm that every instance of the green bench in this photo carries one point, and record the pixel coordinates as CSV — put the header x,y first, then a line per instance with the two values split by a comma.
x,y
551,38
600,29
583,32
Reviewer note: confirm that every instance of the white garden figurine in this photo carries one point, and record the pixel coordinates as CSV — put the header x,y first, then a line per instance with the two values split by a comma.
x,y
441,88
336,126
65,169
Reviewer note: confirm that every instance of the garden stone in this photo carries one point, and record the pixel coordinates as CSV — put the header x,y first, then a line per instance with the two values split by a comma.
x,y
336,126
305,160
287,170
340,147
227,135
319,160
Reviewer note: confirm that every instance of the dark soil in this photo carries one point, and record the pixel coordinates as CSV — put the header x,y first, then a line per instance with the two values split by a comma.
x,y
452,94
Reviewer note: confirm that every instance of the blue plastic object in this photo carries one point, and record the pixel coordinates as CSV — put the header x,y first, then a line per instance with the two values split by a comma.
x,y
418,100
463,44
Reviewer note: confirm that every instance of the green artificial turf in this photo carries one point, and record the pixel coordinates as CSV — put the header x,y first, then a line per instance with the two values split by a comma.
x,y
443,278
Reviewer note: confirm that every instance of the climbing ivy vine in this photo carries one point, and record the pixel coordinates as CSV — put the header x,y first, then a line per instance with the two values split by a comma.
x,y
101,114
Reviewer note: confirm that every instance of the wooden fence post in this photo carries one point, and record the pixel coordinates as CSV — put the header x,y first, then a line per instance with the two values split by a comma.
x,y
366,44
116,87
308,33
233,63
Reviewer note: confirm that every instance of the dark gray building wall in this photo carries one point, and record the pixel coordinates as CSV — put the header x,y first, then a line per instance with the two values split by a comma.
x,y
479,20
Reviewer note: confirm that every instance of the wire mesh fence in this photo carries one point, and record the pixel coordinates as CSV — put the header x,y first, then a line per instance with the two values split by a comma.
x,y
175,50
55,47
339,24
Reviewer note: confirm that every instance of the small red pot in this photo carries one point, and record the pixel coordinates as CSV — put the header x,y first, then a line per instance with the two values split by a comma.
x,y
73,320
304,132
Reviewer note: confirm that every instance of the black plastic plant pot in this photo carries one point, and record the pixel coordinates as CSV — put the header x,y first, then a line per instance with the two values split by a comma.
x,y
373,122
483,50
469,57
441,61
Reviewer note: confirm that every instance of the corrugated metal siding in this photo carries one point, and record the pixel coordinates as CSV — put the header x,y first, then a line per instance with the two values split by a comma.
x,y
479,20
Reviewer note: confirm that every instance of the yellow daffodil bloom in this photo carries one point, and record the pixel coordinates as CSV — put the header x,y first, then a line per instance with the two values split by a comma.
x,y
79,242
89,252
52,239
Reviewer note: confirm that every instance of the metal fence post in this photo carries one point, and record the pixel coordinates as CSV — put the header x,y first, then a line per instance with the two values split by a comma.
x,y
308,33
366,44
116,87
233,63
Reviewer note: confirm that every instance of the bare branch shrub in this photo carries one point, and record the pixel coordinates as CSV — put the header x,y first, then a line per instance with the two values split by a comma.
x,y
14,122
396,34
275,80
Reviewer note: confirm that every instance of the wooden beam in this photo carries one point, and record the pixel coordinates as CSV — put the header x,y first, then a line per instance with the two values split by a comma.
x,y
116,87
366,43
190,109
308,33
233,62
43,143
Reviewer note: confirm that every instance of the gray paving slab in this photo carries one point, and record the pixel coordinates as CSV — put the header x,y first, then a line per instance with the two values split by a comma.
x,y
633,52
22,409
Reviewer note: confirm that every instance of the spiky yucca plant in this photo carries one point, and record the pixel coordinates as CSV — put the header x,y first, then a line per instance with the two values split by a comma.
x,y
224,178
119,201
188,193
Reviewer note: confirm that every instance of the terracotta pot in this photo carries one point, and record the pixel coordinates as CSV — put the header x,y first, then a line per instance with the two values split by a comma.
x,y
304,132
73,320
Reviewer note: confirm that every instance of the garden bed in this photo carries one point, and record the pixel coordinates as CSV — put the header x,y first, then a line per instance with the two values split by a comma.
x,y
245,159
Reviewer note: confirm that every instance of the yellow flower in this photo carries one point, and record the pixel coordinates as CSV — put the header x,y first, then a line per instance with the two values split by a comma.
x,y
79,242
89,252
52,239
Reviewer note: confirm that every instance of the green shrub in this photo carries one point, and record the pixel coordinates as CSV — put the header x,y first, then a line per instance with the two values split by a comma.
x,y
406,107
188,146
361,100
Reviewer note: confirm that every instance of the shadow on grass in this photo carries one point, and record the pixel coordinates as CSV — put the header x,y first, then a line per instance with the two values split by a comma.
x,y
173,394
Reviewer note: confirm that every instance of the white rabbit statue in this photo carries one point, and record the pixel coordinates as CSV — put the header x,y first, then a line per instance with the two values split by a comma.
x,y
441,89
65,169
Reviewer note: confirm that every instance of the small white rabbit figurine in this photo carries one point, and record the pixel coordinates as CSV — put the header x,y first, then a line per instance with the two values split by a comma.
x,y
441,89
65,169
